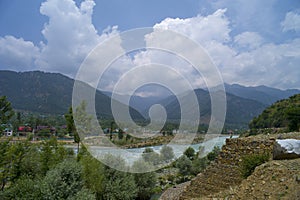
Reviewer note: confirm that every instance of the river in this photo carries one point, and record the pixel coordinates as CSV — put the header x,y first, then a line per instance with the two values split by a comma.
x,y
131,155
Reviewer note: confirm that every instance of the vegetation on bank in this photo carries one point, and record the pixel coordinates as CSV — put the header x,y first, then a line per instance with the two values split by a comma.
x,y
250,162
48,170
283,113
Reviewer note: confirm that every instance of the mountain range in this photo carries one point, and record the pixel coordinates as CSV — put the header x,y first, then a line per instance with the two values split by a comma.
x,y
51,93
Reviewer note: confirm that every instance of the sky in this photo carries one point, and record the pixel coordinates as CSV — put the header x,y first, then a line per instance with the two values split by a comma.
x,y
251,42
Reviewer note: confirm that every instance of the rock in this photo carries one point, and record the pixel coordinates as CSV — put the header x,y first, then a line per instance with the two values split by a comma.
x,y
286,149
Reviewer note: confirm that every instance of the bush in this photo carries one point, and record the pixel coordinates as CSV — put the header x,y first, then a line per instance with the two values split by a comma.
x,y
23,188
63,181
198,165
184,164
213,154
167,153
151,157
250,162
190,153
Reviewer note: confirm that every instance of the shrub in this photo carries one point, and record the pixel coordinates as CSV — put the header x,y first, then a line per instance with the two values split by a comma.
x,y
167,153
198,165
190,153
250,162
184,164
213,154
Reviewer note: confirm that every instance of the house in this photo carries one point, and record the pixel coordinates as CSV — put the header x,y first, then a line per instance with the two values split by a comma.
x,y
8,132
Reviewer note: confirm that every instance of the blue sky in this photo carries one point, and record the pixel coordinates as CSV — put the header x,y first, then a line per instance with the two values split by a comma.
x,y
252,42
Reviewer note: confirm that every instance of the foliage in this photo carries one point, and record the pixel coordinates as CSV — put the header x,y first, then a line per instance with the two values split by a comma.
x,y
23,188
184,164
198,165
283,113
51,154
10,162
190,153
145,182
167,153
93,174
6,111
250,162
63,181
71,127
211,156
118,184
150,156
293,115
84,194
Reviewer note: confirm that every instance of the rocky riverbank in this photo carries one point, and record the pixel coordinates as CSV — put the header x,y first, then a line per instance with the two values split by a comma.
x,y
222,179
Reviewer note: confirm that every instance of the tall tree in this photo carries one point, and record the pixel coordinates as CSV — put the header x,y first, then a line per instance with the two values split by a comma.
x,y
6,111
71,127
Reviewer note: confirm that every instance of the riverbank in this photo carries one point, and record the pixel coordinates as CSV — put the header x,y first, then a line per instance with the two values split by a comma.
x,y
223,180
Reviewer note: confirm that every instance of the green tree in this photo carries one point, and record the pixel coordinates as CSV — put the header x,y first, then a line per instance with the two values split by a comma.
x,y
293,115
118,184
211,156
120,134
150,156
51,154
198,165
167,153
145,181
71,127
63,181
84,194
190,153
10,164
23,188
6,111
184,164
93,174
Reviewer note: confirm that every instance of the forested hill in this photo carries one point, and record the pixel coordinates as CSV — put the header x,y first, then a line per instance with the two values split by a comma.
x,y
49,93
283,113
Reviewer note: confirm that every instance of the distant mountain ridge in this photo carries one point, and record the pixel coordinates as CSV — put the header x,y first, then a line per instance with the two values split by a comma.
x,y
243,103
263,94
50,93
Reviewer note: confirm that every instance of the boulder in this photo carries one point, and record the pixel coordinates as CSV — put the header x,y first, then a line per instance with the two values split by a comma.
x,y
286,149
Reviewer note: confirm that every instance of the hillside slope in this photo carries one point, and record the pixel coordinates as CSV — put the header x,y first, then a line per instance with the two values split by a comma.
x,y
239,110
283,113
49,93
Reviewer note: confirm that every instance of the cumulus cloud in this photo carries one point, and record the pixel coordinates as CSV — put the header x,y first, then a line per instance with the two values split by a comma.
x,y
209,31
17,54
269,64
243,56
70,35
249,40
246,58
200,28
291,22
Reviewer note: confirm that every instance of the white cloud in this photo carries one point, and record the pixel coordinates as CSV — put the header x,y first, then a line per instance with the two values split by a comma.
x,y
270,64
291,22
70,35
199,28
249,40
17,54
242,57
245,58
